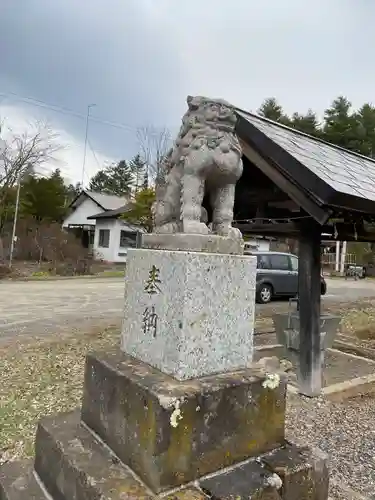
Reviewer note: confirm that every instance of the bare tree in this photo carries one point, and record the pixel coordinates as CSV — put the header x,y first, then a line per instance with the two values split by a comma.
x,y
19,152
154,144
22,152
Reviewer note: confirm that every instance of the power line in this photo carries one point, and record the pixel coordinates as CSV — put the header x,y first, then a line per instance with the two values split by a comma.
x,y
94,154
43,104
67,111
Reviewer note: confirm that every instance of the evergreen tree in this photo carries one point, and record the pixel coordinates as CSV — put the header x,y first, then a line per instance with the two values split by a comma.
x,y
138,168
72,191
365,118
340,125
272,110
307,123
115,179
44,198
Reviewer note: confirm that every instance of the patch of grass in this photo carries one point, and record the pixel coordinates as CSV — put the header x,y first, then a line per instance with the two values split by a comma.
x,y
41,379
40,274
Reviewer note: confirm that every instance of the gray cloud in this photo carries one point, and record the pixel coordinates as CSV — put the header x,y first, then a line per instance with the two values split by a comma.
x,y
138,59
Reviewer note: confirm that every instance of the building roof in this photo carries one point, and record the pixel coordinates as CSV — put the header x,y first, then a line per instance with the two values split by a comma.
x,y
111,214
116,214
328,175
108,201
104,201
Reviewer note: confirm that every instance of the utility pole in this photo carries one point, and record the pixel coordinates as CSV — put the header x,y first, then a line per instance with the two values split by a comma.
x,y
15,221
86,137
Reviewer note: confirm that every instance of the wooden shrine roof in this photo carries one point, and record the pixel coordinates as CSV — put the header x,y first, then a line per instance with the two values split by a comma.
x,y
320,177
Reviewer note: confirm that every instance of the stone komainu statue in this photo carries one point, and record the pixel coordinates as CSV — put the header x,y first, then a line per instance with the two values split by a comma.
x,y
205,160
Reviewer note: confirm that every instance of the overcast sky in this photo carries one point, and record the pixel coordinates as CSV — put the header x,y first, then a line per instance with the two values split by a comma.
x,y
137,60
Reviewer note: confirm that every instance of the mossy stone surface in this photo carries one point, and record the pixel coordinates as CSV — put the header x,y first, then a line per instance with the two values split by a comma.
x,y
171,432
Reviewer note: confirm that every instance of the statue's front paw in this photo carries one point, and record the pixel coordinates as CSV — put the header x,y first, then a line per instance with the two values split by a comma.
x,y
227,231
194,227
234,233
168,228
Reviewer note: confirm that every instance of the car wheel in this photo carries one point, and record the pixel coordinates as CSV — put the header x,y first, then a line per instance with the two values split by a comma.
x,y
323,289
264,294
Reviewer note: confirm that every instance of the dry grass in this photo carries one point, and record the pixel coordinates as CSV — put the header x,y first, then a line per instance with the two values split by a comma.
x,y
360,322
38,379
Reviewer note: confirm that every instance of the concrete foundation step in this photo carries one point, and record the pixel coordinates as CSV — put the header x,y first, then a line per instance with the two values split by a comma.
x,y
18,482
73,465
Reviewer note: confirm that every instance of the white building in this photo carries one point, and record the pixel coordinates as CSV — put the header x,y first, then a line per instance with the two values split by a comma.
x,y
257,245
95,219
113,236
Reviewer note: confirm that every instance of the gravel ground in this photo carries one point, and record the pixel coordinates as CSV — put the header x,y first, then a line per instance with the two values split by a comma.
x,y
346,432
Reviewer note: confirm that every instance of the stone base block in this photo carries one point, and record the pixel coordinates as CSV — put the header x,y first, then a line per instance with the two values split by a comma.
x,y
248,480
209,243
171,432
74,465
303,472
71,464
287,473
189,314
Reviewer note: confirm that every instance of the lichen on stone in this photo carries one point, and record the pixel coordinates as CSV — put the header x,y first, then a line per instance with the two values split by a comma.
x,y
274,481
272,381
176,415
166,401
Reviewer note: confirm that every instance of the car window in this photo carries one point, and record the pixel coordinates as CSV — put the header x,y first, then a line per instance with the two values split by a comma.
x,y
263,262
294,262
279,262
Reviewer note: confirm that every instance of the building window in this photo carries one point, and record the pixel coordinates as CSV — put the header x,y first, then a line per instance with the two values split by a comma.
x,y
104,238
128,239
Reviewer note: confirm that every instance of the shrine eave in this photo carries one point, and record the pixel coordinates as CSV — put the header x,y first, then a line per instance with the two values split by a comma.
x,y
321,178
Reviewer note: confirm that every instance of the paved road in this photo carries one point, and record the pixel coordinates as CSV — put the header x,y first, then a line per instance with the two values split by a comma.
x,y
37,308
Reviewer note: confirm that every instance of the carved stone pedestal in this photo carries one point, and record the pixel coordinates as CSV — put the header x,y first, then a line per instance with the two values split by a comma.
x,y
144,434
189,314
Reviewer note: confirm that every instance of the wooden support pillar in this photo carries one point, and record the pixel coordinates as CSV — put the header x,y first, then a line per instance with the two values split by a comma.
x,y
311,357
